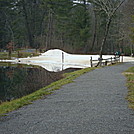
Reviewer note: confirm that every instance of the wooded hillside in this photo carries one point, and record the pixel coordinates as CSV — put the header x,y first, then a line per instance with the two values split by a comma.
x,y
82,26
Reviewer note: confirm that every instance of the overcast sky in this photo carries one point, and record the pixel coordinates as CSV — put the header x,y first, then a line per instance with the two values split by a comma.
x,y
76,1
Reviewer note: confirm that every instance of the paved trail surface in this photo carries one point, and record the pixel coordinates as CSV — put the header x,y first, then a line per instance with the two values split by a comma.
x,y
94,104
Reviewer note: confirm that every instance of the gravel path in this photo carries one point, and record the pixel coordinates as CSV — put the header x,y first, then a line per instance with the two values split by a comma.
x,y
94,104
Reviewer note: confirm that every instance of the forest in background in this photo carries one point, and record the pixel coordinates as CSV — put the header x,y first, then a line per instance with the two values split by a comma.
x,y
82,26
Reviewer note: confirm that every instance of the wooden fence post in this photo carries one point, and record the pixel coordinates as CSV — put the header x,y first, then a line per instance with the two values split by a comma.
x,y
106,63
119,58
91,61
62,60
122,58
62,57
111,61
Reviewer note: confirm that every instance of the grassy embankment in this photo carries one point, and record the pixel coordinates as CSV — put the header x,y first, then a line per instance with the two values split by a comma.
x,y
130,84
6,107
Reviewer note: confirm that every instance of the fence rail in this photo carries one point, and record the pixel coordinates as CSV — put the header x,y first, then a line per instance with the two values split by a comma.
x,y
105,62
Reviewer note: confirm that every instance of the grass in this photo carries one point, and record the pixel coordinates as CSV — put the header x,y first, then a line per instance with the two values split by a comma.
x,y
130,84
4,55
6,107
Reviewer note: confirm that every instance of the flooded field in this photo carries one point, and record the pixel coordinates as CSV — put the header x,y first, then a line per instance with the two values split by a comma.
x,y
17,80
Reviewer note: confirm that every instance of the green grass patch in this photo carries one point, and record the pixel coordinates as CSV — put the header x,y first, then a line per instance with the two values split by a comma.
x,y
6,107
130,84
131,69
4,55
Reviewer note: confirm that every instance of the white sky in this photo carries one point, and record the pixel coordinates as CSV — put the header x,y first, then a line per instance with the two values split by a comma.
x,y
77,1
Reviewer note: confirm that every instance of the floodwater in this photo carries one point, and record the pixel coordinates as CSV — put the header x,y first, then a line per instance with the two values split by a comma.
x,y
17,80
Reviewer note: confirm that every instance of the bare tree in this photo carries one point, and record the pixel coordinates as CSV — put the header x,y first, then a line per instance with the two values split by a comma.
x,y
109,8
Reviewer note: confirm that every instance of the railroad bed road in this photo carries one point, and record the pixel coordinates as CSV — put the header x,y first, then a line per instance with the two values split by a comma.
x,y
93,104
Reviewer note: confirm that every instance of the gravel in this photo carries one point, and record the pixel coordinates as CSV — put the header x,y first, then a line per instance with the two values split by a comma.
x,y
93,104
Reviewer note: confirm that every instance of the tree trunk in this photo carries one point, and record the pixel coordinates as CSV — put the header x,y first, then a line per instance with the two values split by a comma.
x,y
95,32
105,37
49,33
29,32
10,29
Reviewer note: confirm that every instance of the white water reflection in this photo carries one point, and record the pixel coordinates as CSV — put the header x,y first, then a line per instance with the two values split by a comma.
x,y
57,60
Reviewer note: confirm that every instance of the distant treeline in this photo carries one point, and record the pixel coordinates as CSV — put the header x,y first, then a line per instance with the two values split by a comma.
x,y
82,26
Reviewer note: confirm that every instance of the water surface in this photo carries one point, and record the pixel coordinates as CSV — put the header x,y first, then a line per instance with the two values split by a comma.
x,y
17,80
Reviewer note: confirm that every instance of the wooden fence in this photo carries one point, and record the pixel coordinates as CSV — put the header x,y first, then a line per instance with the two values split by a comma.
x,y
105,62
98,62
